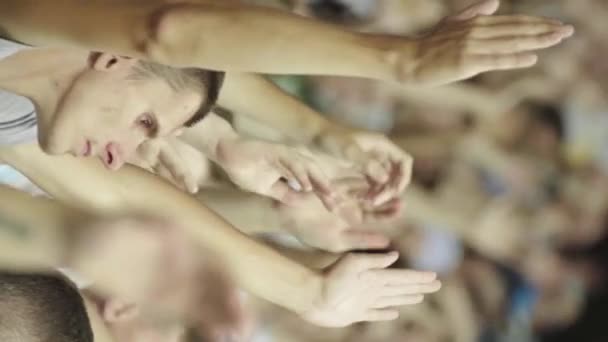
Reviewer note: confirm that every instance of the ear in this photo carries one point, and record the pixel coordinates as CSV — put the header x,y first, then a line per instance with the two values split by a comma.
x,y
118,311
108,62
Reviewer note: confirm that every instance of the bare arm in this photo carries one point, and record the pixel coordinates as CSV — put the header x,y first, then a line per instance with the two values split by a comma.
x,y
31,242
248,212
170,33
89,185
236,37
255,96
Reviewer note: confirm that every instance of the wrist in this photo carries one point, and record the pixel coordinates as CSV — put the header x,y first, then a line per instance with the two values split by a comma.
x,y
398,55
314,288
336,140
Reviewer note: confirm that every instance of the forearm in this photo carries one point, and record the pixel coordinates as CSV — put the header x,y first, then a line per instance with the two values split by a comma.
x,y
199,35
276,279
313,258
255,96
32,242
248,212
457,98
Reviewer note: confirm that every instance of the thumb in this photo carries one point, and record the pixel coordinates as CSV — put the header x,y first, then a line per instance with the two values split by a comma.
x,y
284,193
485,7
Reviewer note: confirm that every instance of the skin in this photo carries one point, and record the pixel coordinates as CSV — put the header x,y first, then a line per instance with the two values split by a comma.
x,y
438,58
121,112
463,45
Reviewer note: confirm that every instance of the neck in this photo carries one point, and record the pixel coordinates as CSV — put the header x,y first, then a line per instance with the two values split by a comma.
x,y
43,76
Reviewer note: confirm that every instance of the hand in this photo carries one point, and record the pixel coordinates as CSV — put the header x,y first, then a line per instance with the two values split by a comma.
x,y
473,41
387,166
274,170
359,288
314,226
175,160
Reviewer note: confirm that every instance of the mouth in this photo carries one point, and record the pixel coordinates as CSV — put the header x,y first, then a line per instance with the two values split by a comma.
x,y
112,156
86,149
109,158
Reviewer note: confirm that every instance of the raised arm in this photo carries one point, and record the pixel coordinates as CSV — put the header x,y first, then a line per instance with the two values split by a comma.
x,y
31,242
238,37
87,184
361,279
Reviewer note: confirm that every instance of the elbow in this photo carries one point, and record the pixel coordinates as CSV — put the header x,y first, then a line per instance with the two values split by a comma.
x,y
171,33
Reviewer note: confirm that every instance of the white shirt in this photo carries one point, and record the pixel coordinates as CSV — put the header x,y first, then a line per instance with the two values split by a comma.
x,y
17,114
17,125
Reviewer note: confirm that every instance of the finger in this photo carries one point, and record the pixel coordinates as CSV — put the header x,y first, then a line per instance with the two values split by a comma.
x,y
360,240
514,44
170,158
387,211
298,170
518,29
354,187
485,7
323,188
390,191
319,181
389,302
404,277
163,172
517,19
363,262
380,315
376,171
283,193
484,63
374,190
148,152
410,289
406,166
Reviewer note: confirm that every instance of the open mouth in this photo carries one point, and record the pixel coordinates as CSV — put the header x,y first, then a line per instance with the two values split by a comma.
x,y
109,158
87,149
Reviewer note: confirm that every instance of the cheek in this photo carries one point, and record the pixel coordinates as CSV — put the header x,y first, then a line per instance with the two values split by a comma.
x,y
129,141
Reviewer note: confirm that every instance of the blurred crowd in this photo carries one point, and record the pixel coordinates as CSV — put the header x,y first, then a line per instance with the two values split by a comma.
x,y
508,202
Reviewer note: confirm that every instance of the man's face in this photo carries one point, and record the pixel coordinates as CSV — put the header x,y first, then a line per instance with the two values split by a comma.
x,y
108,113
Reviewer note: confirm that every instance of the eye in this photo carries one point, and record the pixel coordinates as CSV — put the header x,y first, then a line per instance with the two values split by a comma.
x,y
147,122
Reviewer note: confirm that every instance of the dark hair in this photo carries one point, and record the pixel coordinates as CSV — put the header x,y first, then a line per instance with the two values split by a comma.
x,y
334,11
42,308
549,115
213,81
203,80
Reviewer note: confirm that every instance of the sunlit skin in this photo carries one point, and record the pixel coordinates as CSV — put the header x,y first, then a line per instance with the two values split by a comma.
x,y
94,106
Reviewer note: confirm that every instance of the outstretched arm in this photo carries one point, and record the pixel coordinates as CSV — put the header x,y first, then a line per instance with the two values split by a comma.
x,y
88,185
238,37
31,242
370,289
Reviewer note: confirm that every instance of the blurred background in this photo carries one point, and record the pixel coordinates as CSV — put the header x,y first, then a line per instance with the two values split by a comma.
x,y
509,203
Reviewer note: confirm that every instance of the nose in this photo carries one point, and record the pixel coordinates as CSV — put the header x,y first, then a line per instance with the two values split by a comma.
x,y
113,156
